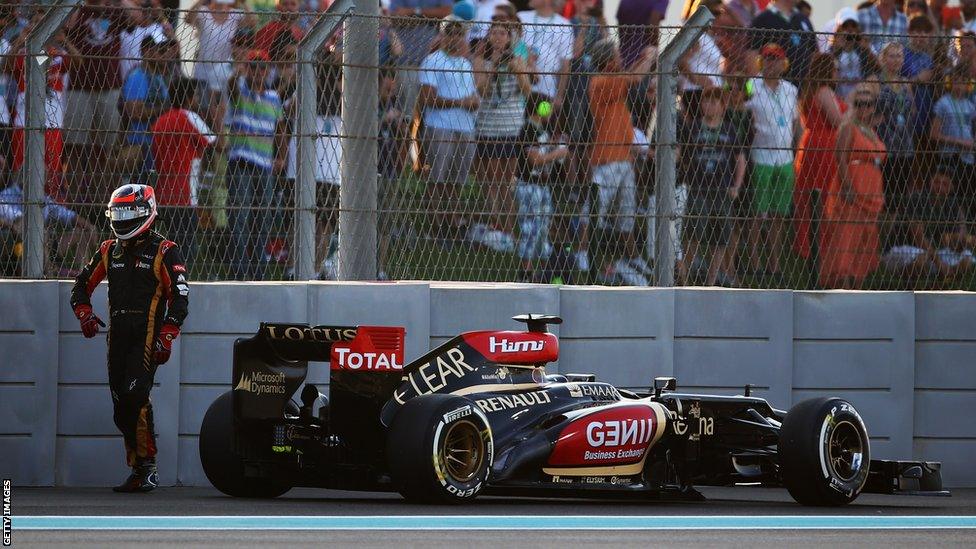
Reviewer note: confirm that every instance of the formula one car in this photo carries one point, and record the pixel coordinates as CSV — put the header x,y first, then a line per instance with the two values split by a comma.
x,y
480,415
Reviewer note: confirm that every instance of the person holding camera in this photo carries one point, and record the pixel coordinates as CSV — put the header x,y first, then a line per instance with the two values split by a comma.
x,y
850,47
503,83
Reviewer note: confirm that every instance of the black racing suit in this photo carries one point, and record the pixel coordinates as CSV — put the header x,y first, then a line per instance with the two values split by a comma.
x,y
147,288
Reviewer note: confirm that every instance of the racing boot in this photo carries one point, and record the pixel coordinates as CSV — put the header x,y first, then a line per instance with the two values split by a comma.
x,y
143,479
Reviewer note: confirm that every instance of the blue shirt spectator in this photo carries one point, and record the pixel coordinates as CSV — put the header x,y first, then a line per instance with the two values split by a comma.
x,y
955,114
150,89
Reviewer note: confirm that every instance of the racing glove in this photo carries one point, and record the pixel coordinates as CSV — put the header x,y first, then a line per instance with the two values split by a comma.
x,y
164,343
89,322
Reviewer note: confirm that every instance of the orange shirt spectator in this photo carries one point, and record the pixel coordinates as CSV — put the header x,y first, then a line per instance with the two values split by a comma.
x,y
612,126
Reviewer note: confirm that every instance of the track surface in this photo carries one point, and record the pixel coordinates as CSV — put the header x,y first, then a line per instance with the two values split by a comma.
x,y
752,504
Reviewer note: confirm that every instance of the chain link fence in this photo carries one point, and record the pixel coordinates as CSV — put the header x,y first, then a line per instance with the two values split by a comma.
x,y
528,147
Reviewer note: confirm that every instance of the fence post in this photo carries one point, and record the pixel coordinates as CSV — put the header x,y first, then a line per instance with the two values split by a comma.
x,y
34,171
306,129
667,119
360,100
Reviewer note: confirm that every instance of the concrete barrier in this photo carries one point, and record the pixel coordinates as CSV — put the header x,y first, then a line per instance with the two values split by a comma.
x,y
906,360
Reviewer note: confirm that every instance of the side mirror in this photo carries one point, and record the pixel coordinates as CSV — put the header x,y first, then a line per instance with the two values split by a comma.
x,y
664,384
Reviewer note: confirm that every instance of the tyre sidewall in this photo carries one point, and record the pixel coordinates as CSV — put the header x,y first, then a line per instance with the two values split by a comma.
x,y
804,456
416,436
839,413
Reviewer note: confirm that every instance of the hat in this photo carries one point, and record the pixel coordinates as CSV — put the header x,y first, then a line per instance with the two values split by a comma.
x,y
773,49
258,55
464,10
846,14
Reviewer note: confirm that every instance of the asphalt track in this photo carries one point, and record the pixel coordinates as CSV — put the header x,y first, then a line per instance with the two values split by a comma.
x,y
761,517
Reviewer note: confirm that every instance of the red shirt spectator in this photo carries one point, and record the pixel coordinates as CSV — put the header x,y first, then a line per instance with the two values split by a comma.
x,y
57,83
180,137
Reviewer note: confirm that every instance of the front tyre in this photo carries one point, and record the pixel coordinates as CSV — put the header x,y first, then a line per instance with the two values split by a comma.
x,y
222,464
824,452
440,449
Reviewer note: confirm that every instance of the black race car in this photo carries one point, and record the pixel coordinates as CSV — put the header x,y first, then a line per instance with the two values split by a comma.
x,y
480,415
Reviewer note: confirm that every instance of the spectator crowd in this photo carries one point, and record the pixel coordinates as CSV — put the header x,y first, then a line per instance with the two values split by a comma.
x,y
524,130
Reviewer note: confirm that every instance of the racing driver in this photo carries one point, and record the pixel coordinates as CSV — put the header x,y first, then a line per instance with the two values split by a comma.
x,y
147,298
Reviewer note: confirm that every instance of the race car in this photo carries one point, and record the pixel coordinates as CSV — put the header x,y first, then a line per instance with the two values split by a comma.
x,y
481,415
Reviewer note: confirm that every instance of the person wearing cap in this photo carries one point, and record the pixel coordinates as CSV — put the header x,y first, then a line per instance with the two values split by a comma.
x,y
148,20
882,22
145,96
449,101
611,162
257,150
776,119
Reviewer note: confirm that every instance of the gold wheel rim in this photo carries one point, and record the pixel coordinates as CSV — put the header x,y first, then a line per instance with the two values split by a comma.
x,y
462,451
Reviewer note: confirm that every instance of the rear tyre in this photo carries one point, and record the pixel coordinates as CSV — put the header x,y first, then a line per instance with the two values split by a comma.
x,y
440,449
223,466
824,452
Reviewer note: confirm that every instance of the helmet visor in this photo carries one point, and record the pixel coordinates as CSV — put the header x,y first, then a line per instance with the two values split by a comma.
x,y
126,213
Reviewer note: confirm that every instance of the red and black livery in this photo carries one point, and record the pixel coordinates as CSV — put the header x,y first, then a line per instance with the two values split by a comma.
x,y
480,414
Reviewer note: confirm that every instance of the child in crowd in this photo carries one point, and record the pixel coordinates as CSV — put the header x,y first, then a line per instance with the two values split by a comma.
x,y
715,166
541,153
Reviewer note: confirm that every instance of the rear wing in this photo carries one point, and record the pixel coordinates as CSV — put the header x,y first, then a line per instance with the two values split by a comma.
x,y
270,366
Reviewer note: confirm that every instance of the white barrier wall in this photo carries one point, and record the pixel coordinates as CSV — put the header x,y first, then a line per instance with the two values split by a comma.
x,y
906,360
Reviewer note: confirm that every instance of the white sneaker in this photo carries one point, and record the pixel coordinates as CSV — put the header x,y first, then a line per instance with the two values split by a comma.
x,y
627,274
582,260
641,266
329,270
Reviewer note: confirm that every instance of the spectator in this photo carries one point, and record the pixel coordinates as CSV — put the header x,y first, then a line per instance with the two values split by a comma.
x,y
179,139
896,108
537,173
449,100
145,96
856,197
286,21
416,23
917,8
216,22
589,28
503,83
734,17
782,24
91,111
639,21
855,61
738,87
952,130
821,113
256,152
390,45
935,240
882,22
965,50
484,12
701,67
77,233
148,20
714,164
610,160
743,11
550,41
54,112
919,68
775,114
328,157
